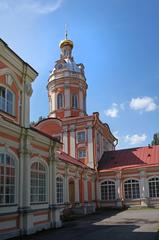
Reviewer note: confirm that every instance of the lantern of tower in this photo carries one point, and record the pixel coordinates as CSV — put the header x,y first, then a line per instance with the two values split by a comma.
x,y
67,85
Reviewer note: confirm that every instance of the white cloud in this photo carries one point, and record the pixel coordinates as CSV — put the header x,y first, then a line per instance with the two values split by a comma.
x,y
143,103
113,111
135,139
30,6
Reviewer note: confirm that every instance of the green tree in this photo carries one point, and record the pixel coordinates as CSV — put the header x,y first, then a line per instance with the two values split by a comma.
x,y
155,140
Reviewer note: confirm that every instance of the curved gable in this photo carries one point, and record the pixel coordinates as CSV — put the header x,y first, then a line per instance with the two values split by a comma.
x,y
50,126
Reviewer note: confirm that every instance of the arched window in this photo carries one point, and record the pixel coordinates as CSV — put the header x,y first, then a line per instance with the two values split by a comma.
x,y
74,101
6,100
60,100
38,183
108,190
154,187
132,189
7,179
59,189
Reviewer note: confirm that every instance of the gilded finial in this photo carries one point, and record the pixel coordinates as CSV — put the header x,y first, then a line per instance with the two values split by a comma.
x,y
66,41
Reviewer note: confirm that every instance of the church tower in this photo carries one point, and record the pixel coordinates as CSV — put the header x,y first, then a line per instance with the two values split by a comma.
x,y
67,85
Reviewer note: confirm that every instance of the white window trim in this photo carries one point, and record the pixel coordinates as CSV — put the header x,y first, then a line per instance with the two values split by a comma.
x,y
13,103
8,151
148,179
132,199
72,101
100,185
82,149
62,105
61,202
40,160
78,132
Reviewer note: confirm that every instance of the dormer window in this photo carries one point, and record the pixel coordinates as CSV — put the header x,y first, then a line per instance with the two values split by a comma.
x,y
74,101
6,100
60,100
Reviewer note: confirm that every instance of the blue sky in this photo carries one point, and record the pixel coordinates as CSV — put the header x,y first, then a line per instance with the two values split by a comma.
x,y
116,40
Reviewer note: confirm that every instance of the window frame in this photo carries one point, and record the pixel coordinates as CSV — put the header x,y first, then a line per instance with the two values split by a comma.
x,y
81,139
82,150
38,187
109,186
74,101
133,189
155,191
60,190
60,101
7,176
6,100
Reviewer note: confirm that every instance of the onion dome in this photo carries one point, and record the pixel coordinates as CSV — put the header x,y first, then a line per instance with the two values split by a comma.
x,y
66,42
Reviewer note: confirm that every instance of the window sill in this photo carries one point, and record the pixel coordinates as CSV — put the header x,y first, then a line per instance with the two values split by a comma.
x,y
8,205
6,113
38,203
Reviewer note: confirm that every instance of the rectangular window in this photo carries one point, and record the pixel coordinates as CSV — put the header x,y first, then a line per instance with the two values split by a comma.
x,y
82,153
6,100
81,137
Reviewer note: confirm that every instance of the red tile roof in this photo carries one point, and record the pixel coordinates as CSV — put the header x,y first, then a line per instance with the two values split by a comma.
x,y
129,158
67,158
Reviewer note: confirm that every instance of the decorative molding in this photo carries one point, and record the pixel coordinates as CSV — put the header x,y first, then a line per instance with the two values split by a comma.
x,y
28,89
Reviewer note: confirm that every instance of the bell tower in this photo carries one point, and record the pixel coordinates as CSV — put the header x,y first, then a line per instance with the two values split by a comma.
x,y
67,85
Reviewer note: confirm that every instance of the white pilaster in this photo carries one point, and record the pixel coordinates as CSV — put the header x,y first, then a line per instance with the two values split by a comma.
x,y
53,99
93,188
81,98
118,186
65,140
67,97
54,199
77,189
26,111
85,189
66,186
143,188
90,148
72,140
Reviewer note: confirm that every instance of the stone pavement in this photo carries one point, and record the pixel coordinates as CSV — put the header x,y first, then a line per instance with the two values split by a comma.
x,y
106,225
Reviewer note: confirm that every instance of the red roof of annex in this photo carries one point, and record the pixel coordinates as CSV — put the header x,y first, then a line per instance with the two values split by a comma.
x,y
129,158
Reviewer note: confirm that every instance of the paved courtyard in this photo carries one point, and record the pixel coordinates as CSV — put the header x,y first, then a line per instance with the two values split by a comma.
x,y
107,225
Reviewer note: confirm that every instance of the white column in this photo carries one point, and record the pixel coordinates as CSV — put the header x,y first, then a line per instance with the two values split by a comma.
x,y
72,140
65,140
90,148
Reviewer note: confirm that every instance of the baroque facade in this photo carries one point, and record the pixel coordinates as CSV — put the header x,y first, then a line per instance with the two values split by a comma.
x,y
66,162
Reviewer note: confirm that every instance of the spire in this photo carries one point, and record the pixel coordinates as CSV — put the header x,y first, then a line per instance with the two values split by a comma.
x,y
66,32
